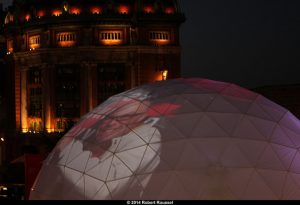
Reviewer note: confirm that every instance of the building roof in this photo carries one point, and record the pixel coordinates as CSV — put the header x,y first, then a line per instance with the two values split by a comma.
x,y
24,11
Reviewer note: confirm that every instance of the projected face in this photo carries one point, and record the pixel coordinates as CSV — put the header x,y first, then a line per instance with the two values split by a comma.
x,y
100,156
109,135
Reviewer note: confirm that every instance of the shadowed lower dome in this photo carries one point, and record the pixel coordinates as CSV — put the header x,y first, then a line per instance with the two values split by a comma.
x,y
177,139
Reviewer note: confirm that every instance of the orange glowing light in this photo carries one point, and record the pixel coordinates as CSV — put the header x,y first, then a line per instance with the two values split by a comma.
x,y
75,10
169,10
157,76
164,74
10,46
24,130
66,39
50,130
27,17
35,124
123,9
66,7
8,18
111,42
96,10
41,13
56,12
67,44
34,42
148,9
110,38
160,42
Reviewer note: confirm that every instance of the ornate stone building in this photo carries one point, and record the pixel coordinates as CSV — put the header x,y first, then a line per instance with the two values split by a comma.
x,y
64,57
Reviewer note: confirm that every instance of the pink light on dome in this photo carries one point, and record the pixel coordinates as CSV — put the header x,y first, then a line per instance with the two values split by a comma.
x,y
162,109
123,9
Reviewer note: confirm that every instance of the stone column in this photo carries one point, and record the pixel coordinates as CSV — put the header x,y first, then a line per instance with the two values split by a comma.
x,y
24,112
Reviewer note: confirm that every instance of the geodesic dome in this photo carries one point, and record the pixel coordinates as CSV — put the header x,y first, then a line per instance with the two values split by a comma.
x,y
177,139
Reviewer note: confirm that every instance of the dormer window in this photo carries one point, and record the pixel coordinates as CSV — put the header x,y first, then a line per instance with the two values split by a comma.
x,y
148,9
111,37
75,10
56,12
96,10
40,13
123,9
66,39
169,10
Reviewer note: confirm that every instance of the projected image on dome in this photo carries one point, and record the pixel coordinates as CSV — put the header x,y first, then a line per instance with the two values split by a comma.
x,y
177,139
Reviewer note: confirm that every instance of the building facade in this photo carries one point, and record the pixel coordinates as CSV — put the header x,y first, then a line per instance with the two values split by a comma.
x,y
63,58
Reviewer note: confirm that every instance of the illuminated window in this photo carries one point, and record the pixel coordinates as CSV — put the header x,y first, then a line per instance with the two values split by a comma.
x,y
96,10
148,9
56,12
75,10
169,10
41,13
35,125
123,9
159,37
111,37
9,18
34,42
66,39
10,46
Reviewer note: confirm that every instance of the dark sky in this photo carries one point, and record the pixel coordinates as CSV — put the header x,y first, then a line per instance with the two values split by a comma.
x,y
248,42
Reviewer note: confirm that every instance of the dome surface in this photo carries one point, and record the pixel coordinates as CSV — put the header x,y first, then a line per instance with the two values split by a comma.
x,y
177,139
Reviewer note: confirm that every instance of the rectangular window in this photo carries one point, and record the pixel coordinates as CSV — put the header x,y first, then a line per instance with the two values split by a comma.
x,y
111,37
34,42
66,39
159,37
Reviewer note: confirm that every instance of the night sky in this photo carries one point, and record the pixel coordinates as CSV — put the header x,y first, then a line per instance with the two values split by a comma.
x,y
248,42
